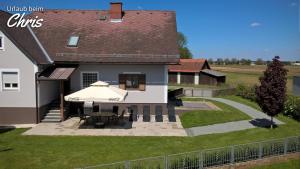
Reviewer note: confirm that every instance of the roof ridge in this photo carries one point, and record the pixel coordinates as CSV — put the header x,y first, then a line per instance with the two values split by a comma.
x,y
99,10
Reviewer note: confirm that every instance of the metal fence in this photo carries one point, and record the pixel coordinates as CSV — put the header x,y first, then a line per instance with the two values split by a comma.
x,y
211,157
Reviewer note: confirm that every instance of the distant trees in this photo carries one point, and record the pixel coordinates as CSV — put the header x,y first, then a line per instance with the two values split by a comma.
x,y
235,61
182,44
271,94
259,61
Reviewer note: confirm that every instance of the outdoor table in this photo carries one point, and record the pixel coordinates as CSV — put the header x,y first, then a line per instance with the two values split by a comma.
x,y
108,115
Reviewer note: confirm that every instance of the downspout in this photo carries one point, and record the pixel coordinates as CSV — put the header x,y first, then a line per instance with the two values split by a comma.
x,y
37,98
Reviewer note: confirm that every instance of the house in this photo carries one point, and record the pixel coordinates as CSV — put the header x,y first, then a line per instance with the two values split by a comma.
x,y
74,48
194,71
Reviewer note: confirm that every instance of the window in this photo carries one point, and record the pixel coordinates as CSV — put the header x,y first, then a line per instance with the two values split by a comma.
x,y
73,41
132,81
1,42
87,78
10,80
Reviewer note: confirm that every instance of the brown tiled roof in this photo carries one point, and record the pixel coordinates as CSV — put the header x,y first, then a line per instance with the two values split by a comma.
x,y
213,72
56,73
141,37
23,39
189,65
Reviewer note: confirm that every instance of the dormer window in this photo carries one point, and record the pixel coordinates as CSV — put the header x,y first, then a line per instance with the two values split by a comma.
x,y
73,41
1,42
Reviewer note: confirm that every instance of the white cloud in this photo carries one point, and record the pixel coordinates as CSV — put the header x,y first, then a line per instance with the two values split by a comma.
x,y
255,24
293,4
140,7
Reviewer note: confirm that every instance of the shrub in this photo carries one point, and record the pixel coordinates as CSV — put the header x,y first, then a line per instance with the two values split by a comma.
x,y
247,92
292,107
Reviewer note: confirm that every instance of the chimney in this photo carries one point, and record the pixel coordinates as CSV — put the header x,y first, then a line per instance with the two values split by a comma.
x,y
115,11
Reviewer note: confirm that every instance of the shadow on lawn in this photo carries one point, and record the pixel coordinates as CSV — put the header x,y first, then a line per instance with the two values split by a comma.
x,y
264,123
4,129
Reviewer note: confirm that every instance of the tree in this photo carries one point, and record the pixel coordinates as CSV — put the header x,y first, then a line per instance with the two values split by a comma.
x,y
271,93
185,53
227,61
259,61
220,61
210,61
182,44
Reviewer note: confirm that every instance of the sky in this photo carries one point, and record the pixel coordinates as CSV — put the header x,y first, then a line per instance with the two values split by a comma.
x,y
215,28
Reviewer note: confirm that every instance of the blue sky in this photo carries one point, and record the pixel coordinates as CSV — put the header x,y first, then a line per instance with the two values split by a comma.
x,y
216,28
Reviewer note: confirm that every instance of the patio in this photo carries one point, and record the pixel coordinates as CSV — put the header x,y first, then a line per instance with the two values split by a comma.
x,y
73,127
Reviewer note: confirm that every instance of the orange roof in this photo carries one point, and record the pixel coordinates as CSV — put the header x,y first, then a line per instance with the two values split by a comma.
x,y
189,65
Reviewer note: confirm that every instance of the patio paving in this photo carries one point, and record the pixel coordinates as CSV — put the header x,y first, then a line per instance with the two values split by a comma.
x,y
72,127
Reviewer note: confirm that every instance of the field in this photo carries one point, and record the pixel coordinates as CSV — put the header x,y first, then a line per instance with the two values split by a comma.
x,y
249,75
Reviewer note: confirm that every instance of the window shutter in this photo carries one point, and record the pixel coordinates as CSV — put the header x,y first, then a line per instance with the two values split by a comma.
x,y
142,82
122,81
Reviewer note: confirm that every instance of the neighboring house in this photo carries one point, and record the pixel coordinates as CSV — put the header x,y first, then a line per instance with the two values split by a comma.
x,y
128,49
194,71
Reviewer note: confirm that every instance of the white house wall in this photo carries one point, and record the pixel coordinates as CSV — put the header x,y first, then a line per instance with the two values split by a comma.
x,y
12,58
156,80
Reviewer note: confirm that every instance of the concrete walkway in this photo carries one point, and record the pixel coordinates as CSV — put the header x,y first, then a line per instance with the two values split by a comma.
x,y
259,120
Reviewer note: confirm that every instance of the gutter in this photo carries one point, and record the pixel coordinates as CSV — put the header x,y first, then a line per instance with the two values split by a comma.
x,y
36,98
39,44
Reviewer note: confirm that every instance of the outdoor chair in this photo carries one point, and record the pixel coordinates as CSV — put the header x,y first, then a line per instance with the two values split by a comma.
x,y
146,113
158,114
81,115
115,110
134,112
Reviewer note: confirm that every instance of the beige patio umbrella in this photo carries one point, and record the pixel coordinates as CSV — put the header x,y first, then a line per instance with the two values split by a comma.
x,y
98,92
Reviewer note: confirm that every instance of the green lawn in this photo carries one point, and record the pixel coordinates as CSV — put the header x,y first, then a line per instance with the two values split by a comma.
x,y
290,164
18,151
206,117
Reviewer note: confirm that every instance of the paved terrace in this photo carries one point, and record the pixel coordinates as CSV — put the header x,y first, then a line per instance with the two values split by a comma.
x,y
126,128
152,128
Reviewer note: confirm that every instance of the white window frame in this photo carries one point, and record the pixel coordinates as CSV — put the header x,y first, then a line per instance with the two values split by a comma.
x,y
81,77
2,41
2,88
73,45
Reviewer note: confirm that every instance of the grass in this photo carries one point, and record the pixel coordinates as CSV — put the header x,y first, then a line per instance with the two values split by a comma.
x,y
290,164
18,151
206,117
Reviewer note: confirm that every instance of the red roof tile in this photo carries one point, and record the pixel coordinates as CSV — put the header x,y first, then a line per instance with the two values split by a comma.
x,y
142,36
189,65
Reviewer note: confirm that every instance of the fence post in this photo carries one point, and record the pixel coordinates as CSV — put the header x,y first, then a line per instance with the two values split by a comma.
x,y
232,155
260,150
286,142
166,161
201,160
127,164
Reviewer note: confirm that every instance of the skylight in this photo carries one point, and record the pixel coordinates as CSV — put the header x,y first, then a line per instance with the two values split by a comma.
x,y
73,41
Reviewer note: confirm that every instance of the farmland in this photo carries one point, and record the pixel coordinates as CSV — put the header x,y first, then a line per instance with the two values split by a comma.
x,y
249,75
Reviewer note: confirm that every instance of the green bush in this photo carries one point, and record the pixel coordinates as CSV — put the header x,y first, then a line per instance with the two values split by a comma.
x,y
292,107
247,92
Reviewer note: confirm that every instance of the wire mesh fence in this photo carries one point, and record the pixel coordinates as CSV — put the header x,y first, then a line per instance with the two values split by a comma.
x,y
211,157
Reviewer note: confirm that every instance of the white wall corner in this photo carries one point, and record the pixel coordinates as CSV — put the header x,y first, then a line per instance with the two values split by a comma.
x,y
178,77
196,79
